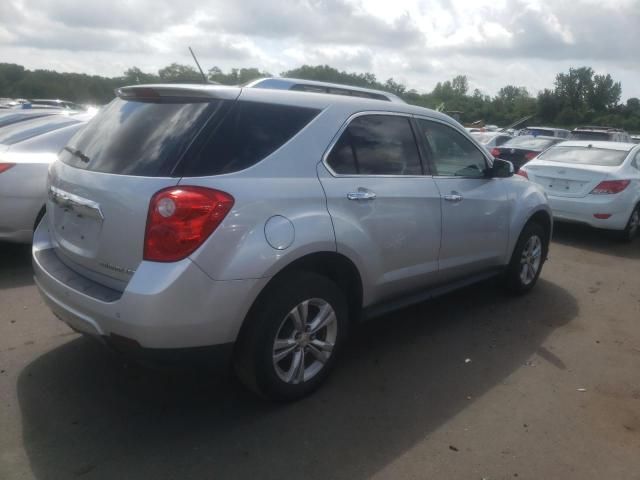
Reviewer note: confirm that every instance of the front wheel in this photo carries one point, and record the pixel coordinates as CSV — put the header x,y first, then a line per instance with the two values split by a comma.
x,y
527,259
292,337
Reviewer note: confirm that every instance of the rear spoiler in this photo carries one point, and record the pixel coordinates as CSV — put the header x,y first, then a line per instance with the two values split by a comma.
x,y
178,91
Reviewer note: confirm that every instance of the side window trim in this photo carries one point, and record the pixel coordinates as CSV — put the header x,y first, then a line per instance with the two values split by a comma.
x,y
488,162
325,157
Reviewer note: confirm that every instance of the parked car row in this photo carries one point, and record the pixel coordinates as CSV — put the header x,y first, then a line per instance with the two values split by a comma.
x,y
283,214
29,142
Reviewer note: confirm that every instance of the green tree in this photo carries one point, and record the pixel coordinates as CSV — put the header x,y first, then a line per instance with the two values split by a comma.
x,y
176,73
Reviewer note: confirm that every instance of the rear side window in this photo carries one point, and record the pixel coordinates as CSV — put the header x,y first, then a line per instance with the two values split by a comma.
x,y
248,133
376,145
137,138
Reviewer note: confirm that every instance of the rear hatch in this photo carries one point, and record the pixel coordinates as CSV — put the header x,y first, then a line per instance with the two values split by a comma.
x,y
564,180
99,191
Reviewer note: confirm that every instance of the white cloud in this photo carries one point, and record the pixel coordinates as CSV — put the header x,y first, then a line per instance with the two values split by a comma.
x,y
418,42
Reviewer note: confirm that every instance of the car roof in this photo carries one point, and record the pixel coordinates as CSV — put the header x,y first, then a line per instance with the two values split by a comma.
x,y
537,137
491,133
549,128
599,144
285,83
588,128
286,97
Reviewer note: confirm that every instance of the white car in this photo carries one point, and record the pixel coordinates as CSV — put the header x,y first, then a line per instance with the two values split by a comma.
x,y
26,150
597,183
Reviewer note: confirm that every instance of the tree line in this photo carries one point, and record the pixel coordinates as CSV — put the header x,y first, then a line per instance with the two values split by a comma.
x,y
579,96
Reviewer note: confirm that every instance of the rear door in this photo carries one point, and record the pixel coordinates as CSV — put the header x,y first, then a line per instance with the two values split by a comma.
x,y
99,191
475,210
385,210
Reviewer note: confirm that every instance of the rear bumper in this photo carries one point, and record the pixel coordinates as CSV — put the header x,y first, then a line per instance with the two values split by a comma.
x,y
165,305
582,210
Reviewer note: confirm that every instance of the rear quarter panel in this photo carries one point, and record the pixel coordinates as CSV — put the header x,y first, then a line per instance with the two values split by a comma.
x,y
285,184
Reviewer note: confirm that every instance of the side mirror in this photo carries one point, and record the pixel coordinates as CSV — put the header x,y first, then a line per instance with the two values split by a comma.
x,y
501,168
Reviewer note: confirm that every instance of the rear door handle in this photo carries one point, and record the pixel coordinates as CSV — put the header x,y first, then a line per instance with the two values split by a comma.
x,y
453,197
361,195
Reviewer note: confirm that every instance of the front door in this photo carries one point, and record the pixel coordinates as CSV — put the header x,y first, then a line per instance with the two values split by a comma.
x,y
475,211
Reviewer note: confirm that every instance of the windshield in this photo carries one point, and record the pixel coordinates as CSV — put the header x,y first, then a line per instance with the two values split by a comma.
x,y
483,138
590,136
585,156
538,131
21,131
529,143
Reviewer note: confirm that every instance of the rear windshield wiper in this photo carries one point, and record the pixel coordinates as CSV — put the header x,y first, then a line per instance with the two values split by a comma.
x,y
77,153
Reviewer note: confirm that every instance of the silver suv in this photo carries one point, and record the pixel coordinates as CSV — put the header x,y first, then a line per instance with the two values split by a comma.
x,y
268,222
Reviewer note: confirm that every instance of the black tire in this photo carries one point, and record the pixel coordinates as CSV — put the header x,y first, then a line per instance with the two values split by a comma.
x,y
632,228
39,218
254,355
514,281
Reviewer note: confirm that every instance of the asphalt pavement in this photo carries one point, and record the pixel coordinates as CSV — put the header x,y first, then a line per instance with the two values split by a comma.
x,y
473,385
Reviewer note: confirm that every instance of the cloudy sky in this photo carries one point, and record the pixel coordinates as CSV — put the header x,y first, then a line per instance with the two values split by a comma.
x,y
417,42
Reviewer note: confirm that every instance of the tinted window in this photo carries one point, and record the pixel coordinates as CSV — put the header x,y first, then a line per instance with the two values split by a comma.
x,y
376,145
585,156
451,153
137,138
21,131
249,132
502,140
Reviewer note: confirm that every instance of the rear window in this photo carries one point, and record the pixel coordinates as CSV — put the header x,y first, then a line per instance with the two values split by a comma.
x,y
18,132
538,131
590,136
483,138
585,156
138,138
246,134
528,143
10,118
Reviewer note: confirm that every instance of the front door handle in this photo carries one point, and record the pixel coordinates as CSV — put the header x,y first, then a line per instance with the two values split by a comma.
x,y
361,195
453,197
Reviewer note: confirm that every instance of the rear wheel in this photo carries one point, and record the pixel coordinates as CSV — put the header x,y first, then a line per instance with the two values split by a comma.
x,y
633,225
527,259
290,343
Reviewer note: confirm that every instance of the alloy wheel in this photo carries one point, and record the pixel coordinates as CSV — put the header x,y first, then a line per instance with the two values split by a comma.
x,y
305,341
530,259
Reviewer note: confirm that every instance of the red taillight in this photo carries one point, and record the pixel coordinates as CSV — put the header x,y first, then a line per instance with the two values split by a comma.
x,y
523,173
602,216
5,166
530,155
495,152
610,186
180,219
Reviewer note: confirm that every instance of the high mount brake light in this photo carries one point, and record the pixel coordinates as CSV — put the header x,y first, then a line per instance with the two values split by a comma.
x,y
180,219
